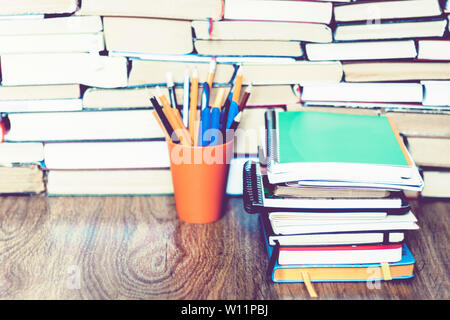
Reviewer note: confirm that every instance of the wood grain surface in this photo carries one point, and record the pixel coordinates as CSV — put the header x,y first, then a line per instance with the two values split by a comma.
x,y
136,248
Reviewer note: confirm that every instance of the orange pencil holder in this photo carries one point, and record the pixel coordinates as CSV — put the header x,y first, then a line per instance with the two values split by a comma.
x,y
199,176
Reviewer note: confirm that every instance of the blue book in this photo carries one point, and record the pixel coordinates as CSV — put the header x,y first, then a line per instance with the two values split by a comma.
x,y
292,273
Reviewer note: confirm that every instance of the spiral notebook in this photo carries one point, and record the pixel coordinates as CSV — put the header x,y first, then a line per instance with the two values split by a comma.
x,y
308,145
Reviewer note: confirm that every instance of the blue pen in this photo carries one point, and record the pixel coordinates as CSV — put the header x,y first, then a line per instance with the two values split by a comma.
x,y
205,117
215,117
232,113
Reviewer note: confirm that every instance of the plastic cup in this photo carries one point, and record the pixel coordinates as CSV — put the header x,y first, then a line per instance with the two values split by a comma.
x,y
199,176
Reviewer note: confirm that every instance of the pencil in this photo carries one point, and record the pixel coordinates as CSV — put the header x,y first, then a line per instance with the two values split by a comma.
x,y
244,100
193,104
174,119
211,72
164,122
237,86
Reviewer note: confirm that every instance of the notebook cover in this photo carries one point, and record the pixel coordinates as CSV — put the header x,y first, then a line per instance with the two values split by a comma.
x,y
342,138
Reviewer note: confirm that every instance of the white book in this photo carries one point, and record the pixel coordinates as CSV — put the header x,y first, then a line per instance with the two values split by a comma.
x,y
391,222
335,238
107,155
21,16
437,93
109,182
83,126
377,10
367,92
394,30
434,49
300,11
361,50
21,152
352,255
37,6
44,105
52,43
262,30
59,25
64,68
235,174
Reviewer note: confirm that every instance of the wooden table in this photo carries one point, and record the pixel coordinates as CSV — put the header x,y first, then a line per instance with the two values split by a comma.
x,y
136,248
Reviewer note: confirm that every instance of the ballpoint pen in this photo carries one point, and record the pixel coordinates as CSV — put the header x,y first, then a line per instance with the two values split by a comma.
x,y
205,117
215,117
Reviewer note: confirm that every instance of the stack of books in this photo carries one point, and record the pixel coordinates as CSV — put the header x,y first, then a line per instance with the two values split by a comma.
x,y
329,190
97,61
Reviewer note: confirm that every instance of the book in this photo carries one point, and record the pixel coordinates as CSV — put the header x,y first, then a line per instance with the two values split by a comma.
x,y
300,11
391,30
159,36
367,92
259,197
289,223
433,49
366,50
51,26
41,105
52,43
16,153
291,73
430,151
235,181
337,148
352,254
378,10
262,30
377,106
170,9
422,124
21,179
402,269
248,48
138,97
37,6
301,107
436,93
295,190
83,126
436,183
109,182
64,68
330,238
154,72
50,92
106,155
395,71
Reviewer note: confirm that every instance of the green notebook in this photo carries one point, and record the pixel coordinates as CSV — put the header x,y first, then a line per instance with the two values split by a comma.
x,y
312,145
332,137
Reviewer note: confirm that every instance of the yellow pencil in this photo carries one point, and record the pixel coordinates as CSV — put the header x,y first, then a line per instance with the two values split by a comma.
x,y
237,86
211,72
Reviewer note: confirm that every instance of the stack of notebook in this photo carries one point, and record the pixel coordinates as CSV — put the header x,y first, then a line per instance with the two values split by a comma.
x,y
329,190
